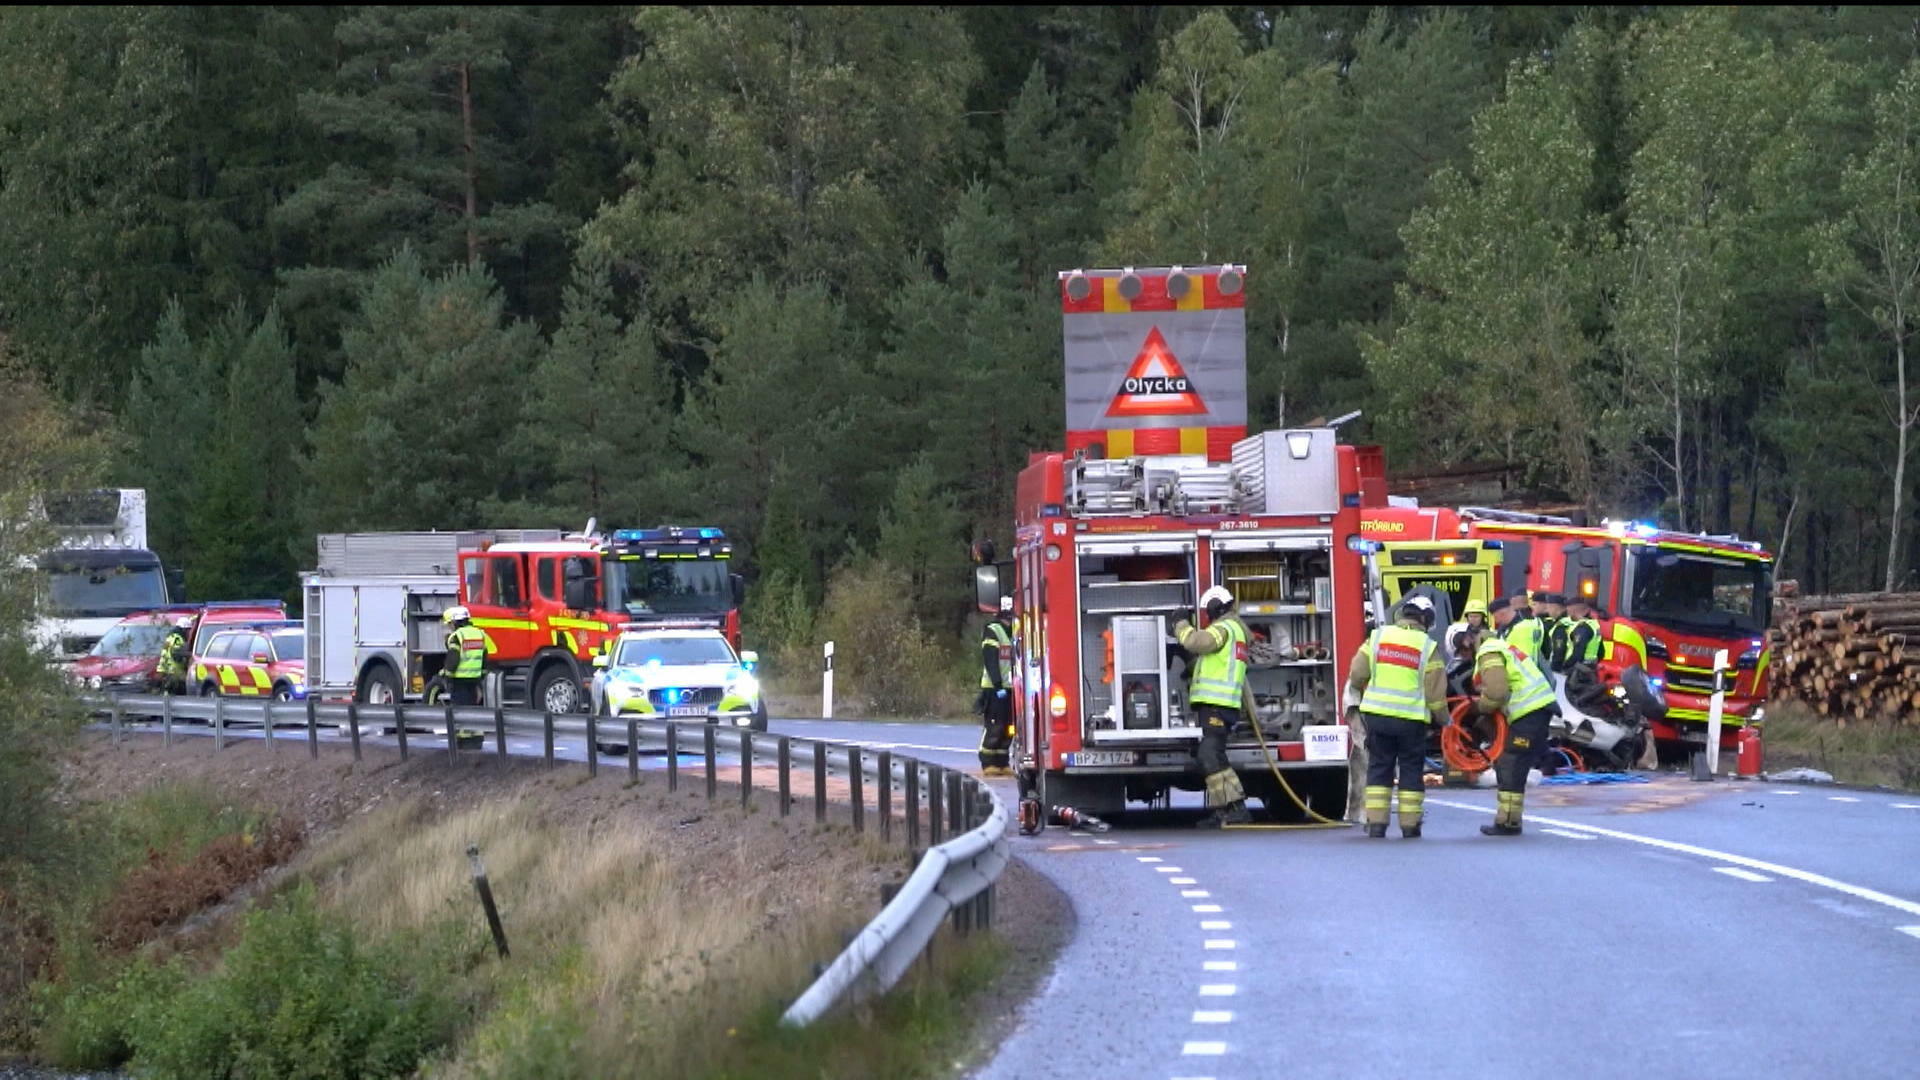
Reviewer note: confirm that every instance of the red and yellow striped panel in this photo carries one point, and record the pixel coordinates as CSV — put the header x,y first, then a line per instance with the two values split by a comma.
x,y
1105,296
1215,442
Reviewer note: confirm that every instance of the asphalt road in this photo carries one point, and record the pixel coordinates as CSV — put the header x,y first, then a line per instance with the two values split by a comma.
x,y
1671,928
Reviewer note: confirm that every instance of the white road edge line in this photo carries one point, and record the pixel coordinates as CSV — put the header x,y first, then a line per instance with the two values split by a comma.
x,y
1783,792
1858,892
1204,1049
1910,931
1569,835
1212,1016
1743,875
1841,798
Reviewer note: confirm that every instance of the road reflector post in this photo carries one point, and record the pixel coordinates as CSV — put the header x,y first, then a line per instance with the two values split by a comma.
x,y
883,772
1716,709
219,723
785,752
633,749
673,757
746,767
826,683
485,890
353,727
857,789
713,779
313,728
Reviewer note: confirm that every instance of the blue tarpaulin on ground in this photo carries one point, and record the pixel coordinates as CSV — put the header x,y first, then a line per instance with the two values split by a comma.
x,y
1595,778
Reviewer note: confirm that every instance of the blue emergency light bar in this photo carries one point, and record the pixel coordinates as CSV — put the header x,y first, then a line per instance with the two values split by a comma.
x,y
670,534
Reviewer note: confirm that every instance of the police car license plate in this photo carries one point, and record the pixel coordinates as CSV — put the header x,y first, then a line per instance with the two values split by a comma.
x,y
686,710
1102,757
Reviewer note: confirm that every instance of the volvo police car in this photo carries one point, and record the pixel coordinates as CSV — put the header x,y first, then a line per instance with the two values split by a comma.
x,y
678,674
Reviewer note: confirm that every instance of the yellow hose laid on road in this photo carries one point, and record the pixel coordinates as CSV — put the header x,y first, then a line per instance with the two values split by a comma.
x,y
1321,821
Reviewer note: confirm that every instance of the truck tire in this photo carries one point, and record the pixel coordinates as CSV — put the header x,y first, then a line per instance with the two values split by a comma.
x,y
379,685
555,690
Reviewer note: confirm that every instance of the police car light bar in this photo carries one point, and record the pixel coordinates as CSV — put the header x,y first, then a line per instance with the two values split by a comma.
x,y
667,534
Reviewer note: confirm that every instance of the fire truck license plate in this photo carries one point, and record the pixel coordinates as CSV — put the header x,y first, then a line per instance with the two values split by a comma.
x,y
687,710
1101,757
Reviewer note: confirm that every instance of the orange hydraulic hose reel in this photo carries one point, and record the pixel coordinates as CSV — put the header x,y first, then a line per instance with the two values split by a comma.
x,y
1457,745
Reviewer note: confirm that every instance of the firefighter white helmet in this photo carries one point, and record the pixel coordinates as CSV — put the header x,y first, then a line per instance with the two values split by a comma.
x,y
1216,601
1419,608
456,613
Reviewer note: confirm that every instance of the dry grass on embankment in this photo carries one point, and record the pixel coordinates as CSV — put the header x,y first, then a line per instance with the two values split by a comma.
x,y
653,933
1870,753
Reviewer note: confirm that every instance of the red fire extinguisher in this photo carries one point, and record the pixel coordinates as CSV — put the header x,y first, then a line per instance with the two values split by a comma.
x,y
1752,755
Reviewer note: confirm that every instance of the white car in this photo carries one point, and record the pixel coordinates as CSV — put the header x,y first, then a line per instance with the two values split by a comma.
x,y
678,674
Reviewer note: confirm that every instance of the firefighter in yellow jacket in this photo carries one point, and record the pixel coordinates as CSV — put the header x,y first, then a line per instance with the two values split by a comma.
x,y
467,649
1512,684
1220,697
1402,689
996,692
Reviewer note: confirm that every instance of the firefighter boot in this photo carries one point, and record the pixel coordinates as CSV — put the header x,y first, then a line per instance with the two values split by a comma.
x,y
1506,818
1413,808
1236,814
1376,804
1226,798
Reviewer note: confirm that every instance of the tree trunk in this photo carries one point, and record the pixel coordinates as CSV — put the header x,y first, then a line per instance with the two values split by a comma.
x,y
1903,421
473,195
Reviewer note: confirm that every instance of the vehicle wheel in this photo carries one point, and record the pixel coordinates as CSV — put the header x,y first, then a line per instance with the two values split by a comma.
x,y
556,691
282,692
380,686
759,721
208,689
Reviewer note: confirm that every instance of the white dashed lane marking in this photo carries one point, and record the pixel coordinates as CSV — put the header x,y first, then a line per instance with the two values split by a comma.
x,y
1166,870
1219,943
1221,965
1182,881
1212,1016
1148,858
1206,909
1783,793
1743,875
1841,798
1215,924
1204,1049
1195,894
1906,806
1218,990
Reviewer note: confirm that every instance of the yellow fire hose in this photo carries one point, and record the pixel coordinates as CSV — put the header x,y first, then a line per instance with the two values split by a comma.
x,y
1320,821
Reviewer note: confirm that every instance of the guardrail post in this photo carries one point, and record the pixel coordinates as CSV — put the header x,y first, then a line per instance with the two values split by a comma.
x,y
313,728
500,731
819,781
453,740
857,789
633,749
166,720
593,744
353,727
673,757
219,723
400,727
266,720
784,749
883,770
713,782
746,767
113,710
936,793
546,734
913,806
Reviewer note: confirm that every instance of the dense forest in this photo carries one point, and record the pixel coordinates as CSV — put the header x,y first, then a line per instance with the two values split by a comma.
x,y
791,270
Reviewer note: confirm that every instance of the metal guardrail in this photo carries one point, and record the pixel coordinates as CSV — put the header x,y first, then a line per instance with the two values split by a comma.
x,y
965,824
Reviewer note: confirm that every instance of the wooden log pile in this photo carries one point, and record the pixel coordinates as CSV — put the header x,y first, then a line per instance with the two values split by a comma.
x,y
1851,656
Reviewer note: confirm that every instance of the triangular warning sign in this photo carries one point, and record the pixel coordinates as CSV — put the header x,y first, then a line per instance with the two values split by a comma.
x,y
1156,385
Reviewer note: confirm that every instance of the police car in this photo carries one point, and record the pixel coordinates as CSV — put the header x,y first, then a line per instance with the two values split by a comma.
x,y
678,675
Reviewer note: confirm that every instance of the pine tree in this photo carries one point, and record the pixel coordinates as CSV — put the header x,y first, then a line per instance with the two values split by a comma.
x,y
172,422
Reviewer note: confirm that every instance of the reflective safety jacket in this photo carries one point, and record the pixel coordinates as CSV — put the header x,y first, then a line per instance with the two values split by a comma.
x,y
1509,682
467,649
1398,657
996,656
1220,672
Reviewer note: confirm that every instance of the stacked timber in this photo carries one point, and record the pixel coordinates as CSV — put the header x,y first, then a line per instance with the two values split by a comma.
x,y
1851,656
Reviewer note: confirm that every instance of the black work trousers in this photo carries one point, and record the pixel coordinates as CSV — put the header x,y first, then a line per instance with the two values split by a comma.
x,y
1526,741
464,691
1395,745
997,713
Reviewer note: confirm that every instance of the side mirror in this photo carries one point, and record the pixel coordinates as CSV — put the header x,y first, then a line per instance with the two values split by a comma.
x,y
986,589
262,658
600,660
739,590
578,593
749,659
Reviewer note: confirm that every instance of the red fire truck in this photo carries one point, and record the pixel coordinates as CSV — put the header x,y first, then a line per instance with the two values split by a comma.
x,y
548,603
1667,601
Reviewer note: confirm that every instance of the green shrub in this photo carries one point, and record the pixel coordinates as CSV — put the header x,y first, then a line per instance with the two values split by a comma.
x,y
881,653
300,997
